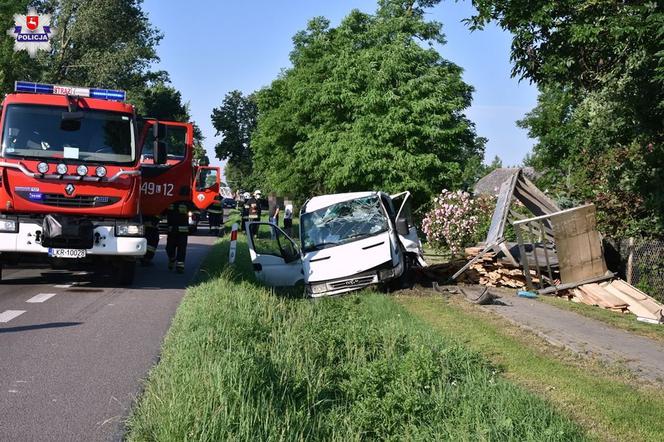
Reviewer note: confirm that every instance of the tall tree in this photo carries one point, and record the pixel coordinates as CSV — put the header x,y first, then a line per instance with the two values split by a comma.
x,y
599,65
367,106
164,102
235,121
108,43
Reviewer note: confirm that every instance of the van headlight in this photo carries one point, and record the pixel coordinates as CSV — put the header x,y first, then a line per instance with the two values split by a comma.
x,y
129,230
391,273
387,274
8,225
315,289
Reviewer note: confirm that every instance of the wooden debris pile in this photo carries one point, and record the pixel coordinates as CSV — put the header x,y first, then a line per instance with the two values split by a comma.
x,y
492,272
619,296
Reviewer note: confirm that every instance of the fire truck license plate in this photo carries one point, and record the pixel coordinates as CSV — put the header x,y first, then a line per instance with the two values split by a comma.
x,y
67,253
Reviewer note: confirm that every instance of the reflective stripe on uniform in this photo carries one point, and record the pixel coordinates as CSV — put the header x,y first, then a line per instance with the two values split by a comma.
x,y
179,265
183,209
151,248
183,229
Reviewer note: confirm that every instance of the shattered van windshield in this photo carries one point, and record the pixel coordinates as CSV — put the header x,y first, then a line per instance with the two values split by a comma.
x,y
342,222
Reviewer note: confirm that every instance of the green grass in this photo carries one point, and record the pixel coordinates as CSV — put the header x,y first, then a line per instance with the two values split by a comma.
x,y
609,405
626,321
241,363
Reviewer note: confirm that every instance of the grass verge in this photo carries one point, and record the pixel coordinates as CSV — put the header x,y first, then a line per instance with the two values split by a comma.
x,y
241,363
625,321
608,407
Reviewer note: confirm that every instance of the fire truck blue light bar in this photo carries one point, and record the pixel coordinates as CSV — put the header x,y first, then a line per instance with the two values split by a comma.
x,y
53,89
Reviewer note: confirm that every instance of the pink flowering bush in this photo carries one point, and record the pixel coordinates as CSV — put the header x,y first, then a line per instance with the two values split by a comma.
x,y
455,220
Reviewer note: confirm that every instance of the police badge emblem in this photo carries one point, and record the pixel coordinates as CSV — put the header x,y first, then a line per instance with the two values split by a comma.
x,y
31,32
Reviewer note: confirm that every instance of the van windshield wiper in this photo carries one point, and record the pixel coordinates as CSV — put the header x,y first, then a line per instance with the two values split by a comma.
x,y
321,246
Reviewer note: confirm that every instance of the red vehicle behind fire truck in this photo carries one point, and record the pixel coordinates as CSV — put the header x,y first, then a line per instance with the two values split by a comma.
x,y
72,183
205,192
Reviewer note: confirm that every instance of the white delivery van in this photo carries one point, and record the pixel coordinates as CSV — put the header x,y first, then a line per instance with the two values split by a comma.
x,y
348,241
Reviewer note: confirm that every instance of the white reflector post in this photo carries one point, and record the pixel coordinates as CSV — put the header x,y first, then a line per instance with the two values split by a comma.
x,y
231,250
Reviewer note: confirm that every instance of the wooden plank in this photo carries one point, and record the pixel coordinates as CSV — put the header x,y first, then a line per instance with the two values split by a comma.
x,y
503,248
597,297
582,297
606,297
533,198
571,285
578,244
629,289
497,227
634,305
473,261
650,304
523,258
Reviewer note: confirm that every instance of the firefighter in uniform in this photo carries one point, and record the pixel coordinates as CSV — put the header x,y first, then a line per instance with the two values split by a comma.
x,y
177,216
151,229
216,215
246,207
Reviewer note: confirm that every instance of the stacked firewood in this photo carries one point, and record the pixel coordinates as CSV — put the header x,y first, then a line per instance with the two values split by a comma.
x,y
493,272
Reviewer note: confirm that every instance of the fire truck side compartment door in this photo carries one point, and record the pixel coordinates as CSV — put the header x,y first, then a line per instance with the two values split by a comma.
x,y
206,186
274,255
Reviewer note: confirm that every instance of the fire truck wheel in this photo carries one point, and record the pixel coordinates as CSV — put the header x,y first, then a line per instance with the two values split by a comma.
x,y
125,271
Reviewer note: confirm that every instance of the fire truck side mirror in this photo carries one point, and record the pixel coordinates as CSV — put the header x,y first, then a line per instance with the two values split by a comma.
x,y
159,131
160,155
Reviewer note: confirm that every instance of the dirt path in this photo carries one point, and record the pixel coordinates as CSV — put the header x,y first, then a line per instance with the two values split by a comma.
x,y
643,356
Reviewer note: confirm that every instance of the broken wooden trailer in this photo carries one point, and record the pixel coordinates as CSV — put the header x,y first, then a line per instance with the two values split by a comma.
x,y
559,250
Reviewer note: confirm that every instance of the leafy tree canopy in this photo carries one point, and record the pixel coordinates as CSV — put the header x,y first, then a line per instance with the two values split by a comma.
x,y
367,105
235,120
98,42
164,102
599,65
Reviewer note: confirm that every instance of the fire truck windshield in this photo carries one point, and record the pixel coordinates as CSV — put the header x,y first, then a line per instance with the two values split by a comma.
x,y
36,131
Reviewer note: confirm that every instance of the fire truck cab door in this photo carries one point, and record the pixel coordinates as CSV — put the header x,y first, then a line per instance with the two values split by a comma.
x,y
206,186
163,184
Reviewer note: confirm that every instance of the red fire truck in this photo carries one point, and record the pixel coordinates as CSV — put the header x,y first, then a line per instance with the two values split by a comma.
x,y
71,177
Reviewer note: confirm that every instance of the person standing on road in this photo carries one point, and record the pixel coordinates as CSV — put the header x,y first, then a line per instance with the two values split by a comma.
x,y
288,217
151,229
178,233
246,207
273,211
216,215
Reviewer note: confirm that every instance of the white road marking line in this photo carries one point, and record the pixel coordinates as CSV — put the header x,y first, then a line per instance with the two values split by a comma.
x,y
41,297
62,286
8,315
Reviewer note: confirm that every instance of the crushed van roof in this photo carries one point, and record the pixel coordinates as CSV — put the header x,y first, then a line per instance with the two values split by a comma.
x,y
318,202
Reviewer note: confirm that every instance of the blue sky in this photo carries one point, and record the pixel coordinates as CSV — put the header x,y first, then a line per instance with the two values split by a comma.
x,y
212,47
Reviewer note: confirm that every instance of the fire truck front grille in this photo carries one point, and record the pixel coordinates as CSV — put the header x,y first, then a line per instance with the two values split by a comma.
x,y
59,200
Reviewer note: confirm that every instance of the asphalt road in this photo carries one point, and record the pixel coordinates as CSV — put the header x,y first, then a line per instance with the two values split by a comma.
x,y
74,349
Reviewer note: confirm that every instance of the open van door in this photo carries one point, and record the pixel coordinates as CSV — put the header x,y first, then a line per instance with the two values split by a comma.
x,y
275,257
405,226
